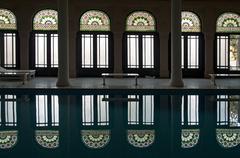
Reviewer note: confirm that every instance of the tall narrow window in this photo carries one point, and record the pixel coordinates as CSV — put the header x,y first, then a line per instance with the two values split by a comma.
x,y
8,110
94,44
192,51
140,46
44,43
228,43
95,111
9,52
47,111
141,110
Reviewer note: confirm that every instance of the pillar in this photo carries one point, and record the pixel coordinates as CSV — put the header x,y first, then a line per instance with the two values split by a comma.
x,y
63,43
176,70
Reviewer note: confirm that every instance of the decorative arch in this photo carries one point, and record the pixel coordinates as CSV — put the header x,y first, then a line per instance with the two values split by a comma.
x,y
141,138
94,20
140,21
46,20
190,22
8,139
95,139
190,137
228,22
7,20
47,138
228,138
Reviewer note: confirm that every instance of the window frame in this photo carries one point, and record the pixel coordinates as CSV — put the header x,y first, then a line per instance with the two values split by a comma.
x,y
156,52
94,71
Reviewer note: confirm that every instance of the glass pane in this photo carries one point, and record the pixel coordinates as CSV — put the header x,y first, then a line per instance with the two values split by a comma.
x,y
10,110
222,52
148,109
9,50
193,52
54,50
193,103
235,52
41,110
55,110
87,110
103,110
102,51
234,112
87,51
222,110
132,51
41,50
182,52
148,51
133,110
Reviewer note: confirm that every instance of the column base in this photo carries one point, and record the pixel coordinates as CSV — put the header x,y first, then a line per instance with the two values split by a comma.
x,y
176,82
63,83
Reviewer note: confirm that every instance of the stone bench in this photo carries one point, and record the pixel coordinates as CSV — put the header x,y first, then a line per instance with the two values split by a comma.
x,y
214,76
135,75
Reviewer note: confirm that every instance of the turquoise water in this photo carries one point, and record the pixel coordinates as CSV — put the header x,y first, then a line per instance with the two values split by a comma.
x,y
121,123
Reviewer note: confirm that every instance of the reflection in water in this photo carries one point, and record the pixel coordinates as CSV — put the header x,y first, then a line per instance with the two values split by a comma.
x,y
95,139
141,111
47,138
8,139
228,138
190,137
141,138
9,109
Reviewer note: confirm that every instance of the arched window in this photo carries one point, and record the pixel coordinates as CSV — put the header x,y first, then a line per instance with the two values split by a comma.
x,y
95,51
47,138
228,138
44,43
95,139
190,137
227,50
9,50
192,47
8,139
141,138
141,44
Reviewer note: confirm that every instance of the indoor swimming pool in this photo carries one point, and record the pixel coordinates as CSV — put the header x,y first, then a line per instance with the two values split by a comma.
x,y
130,123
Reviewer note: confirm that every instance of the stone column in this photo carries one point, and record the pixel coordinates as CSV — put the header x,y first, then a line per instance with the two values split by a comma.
x,y
63,43
176,70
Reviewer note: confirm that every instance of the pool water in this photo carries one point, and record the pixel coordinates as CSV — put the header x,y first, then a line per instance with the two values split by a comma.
x,y
131,124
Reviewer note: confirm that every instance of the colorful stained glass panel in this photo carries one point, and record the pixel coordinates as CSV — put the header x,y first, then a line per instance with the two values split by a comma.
x,y
46,20
228,22
190,22
7,20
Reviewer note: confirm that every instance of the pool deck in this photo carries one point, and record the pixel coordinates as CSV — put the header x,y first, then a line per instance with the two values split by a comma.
x,y
122,83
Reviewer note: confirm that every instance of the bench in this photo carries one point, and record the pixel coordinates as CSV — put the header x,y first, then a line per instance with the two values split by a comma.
x,y
213,77
135,75
12,75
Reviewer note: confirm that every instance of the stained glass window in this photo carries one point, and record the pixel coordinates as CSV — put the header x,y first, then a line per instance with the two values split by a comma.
x,y
95,139
228,22
8,139
190,22
190,137
228,138
46,20
94,20
7,20
141,138
47,138
140,21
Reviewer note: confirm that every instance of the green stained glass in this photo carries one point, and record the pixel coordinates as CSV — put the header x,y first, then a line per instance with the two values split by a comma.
x,y
141,138
47,138
190,137
95,139
8,139
140,21
7,20
46,20
94,20
228,138
228,22
190,22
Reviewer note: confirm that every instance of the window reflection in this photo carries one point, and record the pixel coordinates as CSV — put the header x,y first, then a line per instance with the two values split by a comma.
x,y
190,110
228,109
47,110
95,111
8,110
141,110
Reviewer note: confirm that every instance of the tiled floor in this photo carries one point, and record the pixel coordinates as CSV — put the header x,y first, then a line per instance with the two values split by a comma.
x,y
122,83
